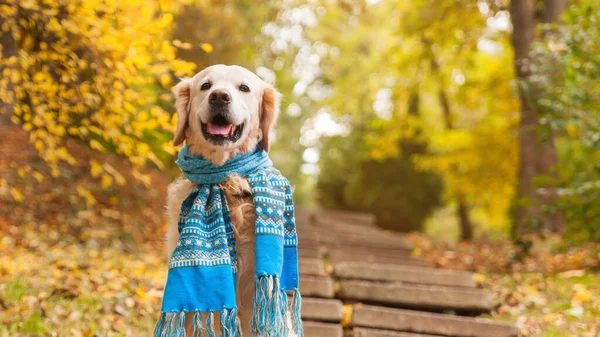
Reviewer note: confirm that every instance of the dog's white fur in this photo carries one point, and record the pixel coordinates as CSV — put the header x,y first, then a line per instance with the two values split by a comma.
x,y
258,110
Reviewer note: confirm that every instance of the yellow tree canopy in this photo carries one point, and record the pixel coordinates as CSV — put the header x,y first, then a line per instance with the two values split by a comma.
x,y
94,70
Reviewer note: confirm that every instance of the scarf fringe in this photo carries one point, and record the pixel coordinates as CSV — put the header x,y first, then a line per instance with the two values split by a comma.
x,y
210,325
230,324
296,314
172,324
197,324
271,307
180,325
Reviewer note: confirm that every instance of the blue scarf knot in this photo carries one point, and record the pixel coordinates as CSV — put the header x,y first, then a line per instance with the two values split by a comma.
x,y
203,267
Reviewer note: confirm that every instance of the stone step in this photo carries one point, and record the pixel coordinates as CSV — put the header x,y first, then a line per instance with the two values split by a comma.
x,y
363,332
320,309
417,296
408,274
428,323
311,266
316,286
318,329
338,256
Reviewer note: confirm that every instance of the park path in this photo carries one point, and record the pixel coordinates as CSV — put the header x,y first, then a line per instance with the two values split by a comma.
x,y
358,280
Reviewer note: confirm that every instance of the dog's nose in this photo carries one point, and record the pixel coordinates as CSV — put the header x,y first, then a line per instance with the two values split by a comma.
x,y
219,97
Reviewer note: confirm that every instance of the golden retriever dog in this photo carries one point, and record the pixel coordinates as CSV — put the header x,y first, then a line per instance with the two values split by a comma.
x,y
223,111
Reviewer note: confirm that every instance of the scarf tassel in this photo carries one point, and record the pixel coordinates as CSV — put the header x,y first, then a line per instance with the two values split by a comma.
x,y
197,324
172,324
270,306
296,314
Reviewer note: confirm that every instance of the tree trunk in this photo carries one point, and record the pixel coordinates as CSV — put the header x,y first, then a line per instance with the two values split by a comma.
x,y
553,9
466,226
522,14
536,157
549,156
463,209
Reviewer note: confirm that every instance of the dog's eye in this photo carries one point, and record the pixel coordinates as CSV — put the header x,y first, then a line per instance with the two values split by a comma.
x,y
244,88
205,86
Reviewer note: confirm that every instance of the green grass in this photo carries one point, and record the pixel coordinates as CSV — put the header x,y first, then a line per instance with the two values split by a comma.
x,y
15,289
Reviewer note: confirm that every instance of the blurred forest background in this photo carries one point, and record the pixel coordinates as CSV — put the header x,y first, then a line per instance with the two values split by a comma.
x,y
464,119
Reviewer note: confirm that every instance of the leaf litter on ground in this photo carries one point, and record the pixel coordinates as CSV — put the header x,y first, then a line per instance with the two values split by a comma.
x,y
554,291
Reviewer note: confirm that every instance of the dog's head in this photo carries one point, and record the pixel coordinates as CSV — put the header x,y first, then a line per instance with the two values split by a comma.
x,y
224,110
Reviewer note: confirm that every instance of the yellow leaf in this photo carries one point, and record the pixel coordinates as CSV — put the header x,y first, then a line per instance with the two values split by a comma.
x,y
86,195
479,278
94,144
572,130
165,80
347,318
207,47
87,333
106,181
141,293
16,194
28,4
552,317
38,176
95,168
581,293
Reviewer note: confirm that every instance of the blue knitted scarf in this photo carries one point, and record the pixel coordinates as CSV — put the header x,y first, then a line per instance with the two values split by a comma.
x,y
202,269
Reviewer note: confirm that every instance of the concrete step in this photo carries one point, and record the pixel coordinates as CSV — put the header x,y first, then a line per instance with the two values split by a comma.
x,y
320,309
417,296
408,274
316,286
363,332
343,255
428,323
317,329
311,266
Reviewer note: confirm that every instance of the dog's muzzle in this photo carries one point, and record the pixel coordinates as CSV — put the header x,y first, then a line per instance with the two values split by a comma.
x,y
220,129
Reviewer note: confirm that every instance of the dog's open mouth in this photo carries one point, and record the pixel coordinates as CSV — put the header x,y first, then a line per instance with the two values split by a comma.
x,y
219,130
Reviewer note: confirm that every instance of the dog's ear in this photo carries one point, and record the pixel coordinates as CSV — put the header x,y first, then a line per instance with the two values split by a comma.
x,y
182,104
268,114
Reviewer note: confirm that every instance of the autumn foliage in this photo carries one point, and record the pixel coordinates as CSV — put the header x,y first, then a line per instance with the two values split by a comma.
x,y
95,71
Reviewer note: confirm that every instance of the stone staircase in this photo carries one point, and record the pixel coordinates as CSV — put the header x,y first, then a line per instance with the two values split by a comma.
x,y
361,281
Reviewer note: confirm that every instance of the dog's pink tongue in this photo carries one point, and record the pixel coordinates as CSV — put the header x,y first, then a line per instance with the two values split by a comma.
x,y
222,130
